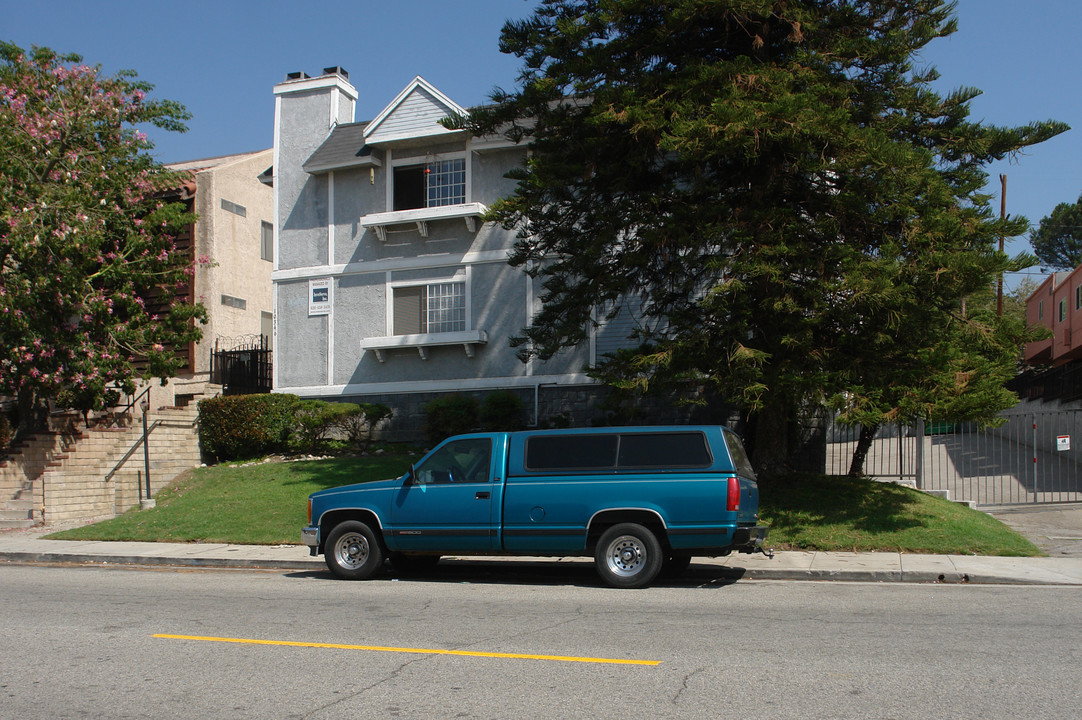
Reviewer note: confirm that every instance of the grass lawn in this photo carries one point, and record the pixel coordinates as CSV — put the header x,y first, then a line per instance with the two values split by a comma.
x,y
253,504
821,512
265,504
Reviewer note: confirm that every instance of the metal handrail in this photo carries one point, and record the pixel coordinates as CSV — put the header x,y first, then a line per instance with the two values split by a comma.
x,y
131,405
137,443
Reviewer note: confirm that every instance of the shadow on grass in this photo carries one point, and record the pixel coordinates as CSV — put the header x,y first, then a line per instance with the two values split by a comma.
x,y
798,503
335,472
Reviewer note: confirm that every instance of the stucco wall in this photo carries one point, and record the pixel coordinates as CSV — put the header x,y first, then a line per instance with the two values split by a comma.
x,y
304,123
232,242
301,354
321,236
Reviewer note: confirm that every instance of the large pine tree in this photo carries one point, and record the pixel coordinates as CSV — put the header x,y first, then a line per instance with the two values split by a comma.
x,y
798,212
1058,238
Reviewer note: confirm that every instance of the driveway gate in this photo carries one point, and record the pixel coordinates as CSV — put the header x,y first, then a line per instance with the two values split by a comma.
x,y
1033,457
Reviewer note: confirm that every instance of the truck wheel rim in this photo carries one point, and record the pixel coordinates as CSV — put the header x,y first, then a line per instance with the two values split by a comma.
x,y
626,556
351,550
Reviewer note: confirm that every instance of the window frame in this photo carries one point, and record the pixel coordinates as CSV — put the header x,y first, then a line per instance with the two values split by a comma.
x,y
461,277
233,301
394,164
617,464
266,241
423,474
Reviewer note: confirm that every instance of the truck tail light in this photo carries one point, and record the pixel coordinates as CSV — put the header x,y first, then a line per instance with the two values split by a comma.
x,y
732,496
309,511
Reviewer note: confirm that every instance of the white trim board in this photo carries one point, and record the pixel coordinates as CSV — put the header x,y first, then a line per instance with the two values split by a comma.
x,y
426,386
372,266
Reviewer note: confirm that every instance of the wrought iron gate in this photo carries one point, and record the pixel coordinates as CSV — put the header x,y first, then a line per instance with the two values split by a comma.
x,y
1033,457
245,367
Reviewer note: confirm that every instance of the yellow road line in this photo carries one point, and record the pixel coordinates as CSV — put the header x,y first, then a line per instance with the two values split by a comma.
x,y
421,651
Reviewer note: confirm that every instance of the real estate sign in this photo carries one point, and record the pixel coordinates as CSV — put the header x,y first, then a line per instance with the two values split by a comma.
x,y
319,296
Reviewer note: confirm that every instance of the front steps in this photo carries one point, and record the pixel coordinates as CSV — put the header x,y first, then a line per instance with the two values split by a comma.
x,y
55,477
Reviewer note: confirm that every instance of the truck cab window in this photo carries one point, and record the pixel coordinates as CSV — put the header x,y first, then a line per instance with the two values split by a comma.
x,y
466,460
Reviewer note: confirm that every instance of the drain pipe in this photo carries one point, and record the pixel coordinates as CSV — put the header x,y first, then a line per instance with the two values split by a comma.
x,y
537,401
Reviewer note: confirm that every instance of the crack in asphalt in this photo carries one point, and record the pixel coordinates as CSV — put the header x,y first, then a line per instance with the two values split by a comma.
x,y
391,676
577,615
684,685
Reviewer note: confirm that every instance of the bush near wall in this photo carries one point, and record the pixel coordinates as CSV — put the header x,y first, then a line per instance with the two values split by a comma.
x,y
502,410
245,426
450,415
313,421
316,421
359,422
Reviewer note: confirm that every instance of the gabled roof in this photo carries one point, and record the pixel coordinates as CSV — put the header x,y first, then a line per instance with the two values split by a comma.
x,y
207,163
414,113
343,148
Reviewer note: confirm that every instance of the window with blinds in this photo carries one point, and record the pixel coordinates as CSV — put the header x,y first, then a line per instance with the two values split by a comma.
x,y
431,308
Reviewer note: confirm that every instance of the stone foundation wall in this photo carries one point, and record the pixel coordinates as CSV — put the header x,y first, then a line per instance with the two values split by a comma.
x,y
550,406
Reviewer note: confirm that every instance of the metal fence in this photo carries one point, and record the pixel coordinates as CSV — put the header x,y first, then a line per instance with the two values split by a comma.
x,y
1032,457
242,365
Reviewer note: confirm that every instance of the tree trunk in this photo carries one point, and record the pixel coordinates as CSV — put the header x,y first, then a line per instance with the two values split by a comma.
x,y
864,444
770,440
33,414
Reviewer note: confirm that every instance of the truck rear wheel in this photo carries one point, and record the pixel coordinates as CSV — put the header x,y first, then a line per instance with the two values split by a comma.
x,y
628,556
354,551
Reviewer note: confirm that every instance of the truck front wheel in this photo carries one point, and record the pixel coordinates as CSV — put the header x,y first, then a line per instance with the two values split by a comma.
x,y
354,551
628,556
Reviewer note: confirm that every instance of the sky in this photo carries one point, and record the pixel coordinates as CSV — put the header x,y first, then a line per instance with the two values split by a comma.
x,y
222,60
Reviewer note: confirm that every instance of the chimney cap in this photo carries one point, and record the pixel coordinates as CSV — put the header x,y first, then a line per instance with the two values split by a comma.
x,y
297,75
336,70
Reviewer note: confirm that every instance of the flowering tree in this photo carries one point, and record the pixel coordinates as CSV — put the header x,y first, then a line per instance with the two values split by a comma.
x,y
93,290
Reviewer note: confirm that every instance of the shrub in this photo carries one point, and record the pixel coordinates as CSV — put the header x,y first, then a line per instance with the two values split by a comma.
x,y
360,420
502,410
313,419
559,421
244,426
451,415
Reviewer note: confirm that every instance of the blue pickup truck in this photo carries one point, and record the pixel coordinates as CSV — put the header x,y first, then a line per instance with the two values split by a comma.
x,y
639,500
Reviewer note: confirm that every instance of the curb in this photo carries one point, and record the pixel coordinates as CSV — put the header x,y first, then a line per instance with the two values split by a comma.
x,y
29,558
726,572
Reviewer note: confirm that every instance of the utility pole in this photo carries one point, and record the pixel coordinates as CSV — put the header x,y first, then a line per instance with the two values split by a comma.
x,y
1002,216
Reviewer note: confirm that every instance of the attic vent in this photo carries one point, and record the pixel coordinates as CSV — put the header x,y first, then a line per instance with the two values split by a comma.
x,y
336,70
297,76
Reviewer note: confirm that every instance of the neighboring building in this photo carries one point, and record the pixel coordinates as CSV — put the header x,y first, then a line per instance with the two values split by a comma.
x,y
1057,305
387,285
235,230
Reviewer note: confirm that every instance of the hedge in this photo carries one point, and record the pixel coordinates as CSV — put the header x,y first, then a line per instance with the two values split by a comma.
x,y
245,426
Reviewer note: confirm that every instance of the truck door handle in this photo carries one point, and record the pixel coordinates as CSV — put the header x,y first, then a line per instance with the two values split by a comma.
x,y
482,495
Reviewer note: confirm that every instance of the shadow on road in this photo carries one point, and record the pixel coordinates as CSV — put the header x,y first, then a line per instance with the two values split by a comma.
x,y
510,572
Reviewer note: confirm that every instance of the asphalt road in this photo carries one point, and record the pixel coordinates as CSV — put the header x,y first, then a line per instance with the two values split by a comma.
x,y
121,643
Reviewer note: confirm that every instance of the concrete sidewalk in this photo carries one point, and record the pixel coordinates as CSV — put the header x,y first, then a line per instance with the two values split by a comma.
x,y
31,548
